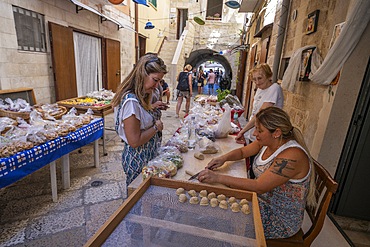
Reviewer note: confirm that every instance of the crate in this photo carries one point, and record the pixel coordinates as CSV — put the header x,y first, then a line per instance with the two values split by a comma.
x,y
113,227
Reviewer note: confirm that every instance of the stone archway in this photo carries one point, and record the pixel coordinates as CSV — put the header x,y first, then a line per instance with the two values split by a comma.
x,y
197,57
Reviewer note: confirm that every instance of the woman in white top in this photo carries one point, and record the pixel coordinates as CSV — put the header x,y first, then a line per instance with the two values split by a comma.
x,y
135,120
267,94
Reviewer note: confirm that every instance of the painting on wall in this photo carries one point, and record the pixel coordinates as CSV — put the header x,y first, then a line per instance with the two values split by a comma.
x,y
312,22
305,67
336,32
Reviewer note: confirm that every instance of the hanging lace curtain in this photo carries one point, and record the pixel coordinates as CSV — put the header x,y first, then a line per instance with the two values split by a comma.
x,y
324,72
291,75
88,63
344,45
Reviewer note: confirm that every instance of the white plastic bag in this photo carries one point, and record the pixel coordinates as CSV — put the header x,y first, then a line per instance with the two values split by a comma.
x,y
224,125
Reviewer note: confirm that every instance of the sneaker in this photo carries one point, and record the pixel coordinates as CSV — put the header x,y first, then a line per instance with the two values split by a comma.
x,y
177,116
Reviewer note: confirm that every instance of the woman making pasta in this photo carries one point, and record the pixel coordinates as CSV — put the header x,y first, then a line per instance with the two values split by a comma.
x,y
134,118
284,173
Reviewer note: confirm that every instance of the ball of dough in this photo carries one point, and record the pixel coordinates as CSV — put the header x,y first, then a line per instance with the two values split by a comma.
x,y
223,204
183,198
243,201
203,193
192,193
232,200
211,195
204,201
180,191
194,200
214,202
245,209
235,207
221,197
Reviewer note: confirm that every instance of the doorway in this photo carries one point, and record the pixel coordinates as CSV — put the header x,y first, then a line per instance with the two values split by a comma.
x,y
182,17
88,63
353,171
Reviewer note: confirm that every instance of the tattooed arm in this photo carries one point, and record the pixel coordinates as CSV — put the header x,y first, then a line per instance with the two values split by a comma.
x,y
292,163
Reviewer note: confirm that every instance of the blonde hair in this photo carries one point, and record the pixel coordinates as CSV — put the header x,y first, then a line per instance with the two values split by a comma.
x,y
264,67
134,82
273,118
188,67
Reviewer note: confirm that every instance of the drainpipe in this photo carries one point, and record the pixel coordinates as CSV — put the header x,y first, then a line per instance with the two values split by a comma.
x,y
136,33
280,38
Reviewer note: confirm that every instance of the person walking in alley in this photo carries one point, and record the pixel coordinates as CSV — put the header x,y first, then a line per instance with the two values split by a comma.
x,y
135,121
201,78
184,87
211,81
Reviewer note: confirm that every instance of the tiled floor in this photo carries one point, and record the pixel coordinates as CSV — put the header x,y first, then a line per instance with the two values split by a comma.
x,y
29,217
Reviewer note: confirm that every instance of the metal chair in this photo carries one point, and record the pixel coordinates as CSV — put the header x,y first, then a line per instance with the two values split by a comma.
x,y
325,188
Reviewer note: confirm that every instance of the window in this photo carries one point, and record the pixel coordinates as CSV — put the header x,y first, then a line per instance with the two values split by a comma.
x,y
214,10
30,30
153,2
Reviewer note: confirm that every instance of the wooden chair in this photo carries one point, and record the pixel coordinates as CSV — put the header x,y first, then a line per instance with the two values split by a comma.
x,y
325,188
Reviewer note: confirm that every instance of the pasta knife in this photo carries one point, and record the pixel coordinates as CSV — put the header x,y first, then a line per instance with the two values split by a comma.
x,y
197,174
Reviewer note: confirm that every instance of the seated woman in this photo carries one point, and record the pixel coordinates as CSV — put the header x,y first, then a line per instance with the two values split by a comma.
x,y
284,173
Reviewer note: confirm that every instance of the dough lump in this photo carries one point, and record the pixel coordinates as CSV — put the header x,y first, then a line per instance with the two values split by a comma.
x,y
214,202
221,197
223,204
182,198
243,201
192,193
245,209
204,201
232,200
180,191
194,200
235,207
203,193
211,195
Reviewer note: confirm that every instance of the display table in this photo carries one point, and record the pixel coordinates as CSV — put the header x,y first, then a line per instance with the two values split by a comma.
x,y
15,167
193,165
153,216
101,111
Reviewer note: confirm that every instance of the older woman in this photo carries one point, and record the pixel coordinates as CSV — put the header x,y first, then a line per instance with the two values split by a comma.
x,y
284,173
135,121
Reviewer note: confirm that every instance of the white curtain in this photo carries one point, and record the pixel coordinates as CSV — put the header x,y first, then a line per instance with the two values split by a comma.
x,y
347,40
323,72
88,63
291,75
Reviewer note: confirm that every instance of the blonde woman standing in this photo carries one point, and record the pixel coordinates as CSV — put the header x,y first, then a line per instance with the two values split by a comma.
x,y
135,120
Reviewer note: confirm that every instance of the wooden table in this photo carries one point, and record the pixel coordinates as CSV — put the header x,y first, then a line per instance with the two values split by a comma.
x,y
241,231
193,165
101,111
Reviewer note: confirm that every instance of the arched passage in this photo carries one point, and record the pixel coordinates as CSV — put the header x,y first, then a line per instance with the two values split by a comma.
x,y
197,57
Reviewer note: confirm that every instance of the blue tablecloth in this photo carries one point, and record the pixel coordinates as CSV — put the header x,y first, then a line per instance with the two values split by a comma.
x,y
26,162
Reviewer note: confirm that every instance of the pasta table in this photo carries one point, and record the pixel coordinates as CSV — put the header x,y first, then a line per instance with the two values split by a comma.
x,y
101,111
193,165
26,162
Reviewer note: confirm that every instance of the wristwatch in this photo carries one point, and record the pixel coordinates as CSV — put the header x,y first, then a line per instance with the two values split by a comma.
x,y
156,128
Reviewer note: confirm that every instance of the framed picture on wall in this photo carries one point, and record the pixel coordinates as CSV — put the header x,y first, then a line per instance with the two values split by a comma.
x,y
305,67
312,22
336,32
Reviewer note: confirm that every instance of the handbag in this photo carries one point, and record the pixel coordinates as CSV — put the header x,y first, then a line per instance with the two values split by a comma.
x,y
205,82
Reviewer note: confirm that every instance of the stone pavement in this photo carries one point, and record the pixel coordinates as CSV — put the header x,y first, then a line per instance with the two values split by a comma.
x,y
29,217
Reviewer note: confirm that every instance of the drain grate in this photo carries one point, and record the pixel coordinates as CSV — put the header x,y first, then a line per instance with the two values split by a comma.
x,y
96,183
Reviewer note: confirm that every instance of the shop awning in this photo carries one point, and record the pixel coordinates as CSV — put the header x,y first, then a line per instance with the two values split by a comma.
x,y
80,6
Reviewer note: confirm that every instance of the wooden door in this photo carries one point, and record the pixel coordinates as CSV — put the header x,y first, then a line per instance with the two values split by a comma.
x,y
112,66
252,62
264,50
63,59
